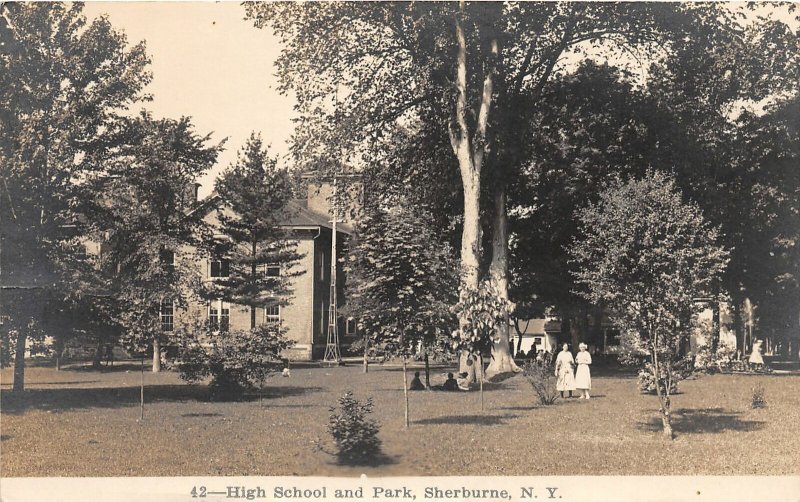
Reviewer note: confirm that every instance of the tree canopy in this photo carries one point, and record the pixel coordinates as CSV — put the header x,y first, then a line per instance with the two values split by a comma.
x,y
64,84
648,256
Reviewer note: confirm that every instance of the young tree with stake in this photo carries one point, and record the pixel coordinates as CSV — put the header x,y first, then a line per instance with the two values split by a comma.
x,y
400,280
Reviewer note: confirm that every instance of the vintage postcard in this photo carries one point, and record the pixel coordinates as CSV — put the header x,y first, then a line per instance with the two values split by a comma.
x,y
400,251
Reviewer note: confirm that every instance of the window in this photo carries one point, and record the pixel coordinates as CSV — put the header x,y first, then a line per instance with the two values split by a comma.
x,y
167,259
350,327
220,268
323,325
272,270
167,315
272,314
81,252
219,315
322,266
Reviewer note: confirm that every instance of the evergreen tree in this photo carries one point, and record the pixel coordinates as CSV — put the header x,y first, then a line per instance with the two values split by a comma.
x,y
252,265
255,251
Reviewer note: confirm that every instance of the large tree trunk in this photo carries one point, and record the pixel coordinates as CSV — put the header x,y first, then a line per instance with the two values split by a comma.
x,y
468,364
469,150
738,328
156,354
427,370
470,251
97,358
578,326
502,359
747,311
19,361
141,391
366,356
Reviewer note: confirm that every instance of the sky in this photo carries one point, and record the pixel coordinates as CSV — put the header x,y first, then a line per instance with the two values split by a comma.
x,y
211,65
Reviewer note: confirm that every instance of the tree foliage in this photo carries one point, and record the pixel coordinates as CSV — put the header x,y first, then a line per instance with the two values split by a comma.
x,y
469,72
143,213
254,196
63,84
401,277
647,256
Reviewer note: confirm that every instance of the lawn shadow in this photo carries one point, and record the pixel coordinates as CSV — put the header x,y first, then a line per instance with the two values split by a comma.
x,y
501,377
116,368
711,421
59,400
200,415
75,382
379,460
467,420
4,437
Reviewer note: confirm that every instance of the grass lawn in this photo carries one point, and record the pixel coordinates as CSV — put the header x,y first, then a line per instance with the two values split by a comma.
x,y
78,422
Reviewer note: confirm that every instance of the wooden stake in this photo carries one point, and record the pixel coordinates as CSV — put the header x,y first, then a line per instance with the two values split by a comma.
x,y
405,388
141,393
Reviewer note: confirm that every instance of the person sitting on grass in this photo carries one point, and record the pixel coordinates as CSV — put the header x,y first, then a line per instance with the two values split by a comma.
x,y
450,383
416,383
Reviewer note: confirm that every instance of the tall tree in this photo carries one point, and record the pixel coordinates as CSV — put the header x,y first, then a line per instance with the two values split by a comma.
x,y
144,212
256,250
648,255
358,69
63,83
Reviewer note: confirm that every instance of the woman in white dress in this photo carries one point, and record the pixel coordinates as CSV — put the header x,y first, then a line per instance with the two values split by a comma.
x,y
755,356
583,377
565,379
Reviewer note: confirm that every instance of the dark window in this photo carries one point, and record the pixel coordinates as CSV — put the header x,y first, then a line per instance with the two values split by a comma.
x,y
272,270
220,268
167,258
350,328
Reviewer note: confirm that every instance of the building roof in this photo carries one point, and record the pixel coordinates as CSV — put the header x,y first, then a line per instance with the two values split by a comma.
x,y
300,216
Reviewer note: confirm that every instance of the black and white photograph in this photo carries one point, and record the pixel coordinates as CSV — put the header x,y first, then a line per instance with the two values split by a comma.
x,y
400,251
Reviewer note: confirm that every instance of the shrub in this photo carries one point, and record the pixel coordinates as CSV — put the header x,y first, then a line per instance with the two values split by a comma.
x,y
543,381
355,436
758,400
647,381
237,361
723,361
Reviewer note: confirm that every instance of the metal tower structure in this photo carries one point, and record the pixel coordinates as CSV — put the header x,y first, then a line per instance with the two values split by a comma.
x,y
332,353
